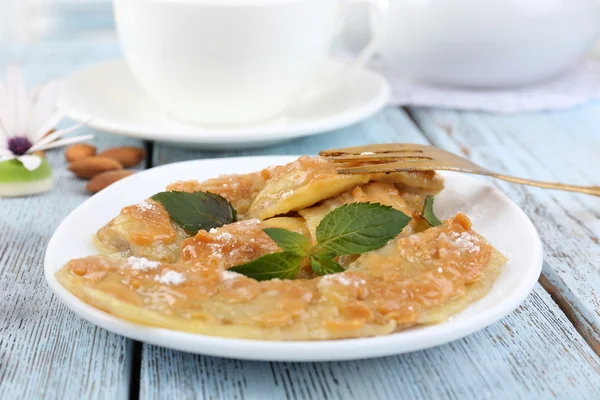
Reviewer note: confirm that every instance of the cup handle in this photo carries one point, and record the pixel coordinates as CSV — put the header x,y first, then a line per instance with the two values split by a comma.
x,y
377,10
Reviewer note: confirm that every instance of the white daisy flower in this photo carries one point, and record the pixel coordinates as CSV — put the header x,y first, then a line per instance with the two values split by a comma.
x,y
26,118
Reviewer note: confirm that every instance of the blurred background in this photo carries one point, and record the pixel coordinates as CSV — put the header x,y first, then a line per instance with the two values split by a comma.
x,y
495,44
26,21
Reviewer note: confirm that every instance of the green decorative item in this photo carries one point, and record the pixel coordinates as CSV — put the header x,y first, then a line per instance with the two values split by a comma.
x,y
16,180
353,228
27,122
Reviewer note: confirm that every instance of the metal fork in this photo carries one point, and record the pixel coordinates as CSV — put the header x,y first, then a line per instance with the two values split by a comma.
x,y
382,158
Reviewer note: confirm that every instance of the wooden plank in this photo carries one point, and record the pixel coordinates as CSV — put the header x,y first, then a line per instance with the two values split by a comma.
x,y
545,146
46,351
533,353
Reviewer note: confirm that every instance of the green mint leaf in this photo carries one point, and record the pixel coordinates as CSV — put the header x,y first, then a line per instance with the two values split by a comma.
x,y
351,229
284,265
289,241
428,214
198,210
359,227
325,266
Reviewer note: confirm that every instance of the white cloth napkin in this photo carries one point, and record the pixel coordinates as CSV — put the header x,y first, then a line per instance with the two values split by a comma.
x,y
579,85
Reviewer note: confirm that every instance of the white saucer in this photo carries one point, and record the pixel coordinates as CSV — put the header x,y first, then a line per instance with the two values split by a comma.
x,y
108,96
493,214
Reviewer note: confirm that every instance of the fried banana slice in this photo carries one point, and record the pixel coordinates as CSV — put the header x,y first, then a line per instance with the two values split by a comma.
x,y
376,192
240,190
310,180
141,230
301,184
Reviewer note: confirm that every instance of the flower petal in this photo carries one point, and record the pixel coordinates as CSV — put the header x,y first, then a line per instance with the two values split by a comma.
x,y
7,114
4,152
53,136
16,84
34,92
31,163
7,158
64,142
44,108
48,125
3,136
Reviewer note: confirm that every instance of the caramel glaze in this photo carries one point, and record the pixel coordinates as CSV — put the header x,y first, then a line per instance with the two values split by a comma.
x,y
239,190
380,292
145,230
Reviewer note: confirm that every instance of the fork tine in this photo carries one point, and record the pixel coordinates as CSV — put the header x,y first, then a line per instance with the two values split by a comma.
x,y
400,157
378,157
402,166
374,148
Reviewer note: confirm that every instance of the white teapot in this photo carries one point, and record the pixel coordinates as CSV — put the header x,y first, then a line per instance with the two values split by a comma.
x,y
488,43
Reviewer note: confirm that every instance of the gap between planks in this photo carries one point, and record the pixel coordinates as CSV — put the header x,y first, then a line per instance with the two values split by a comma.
x,y
582,325
579,322
135,368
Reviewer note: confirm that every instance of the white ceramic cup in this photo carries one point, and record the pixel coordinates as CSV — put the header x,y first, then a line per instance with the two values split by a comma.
x,y
235,62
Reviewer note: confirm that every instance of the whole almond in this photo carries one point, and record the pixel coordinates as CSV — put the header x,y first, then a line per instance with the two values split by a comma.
x,y
128,156
89,167
101,181
79,151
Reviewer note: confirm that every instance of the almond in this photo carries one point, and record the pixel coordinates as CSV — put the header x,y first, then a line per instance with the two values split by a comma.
x,y
101,181
87,168
79,151
40,154
128,156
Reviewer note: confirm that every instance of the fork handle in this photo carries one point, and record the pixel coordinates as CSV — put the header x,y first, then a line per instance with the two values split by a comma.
x,y
593,190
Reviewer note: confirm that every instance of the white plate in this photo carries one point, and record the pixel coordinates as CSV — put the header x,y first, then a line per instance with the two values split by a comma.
x,y
107,97
493,215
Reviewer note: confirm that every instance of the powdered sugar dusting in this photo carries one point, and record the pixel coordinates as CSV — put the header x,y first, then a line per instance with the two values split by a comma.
x,y
191,250
464,241
221,235
367,153
142,264
342,279
145,205
225,236
468,242
171,277
253,221
229,275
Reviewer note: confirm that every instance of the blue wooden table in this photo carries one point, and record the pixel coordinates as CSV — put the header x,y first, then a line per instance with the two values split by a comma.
x,y
548,348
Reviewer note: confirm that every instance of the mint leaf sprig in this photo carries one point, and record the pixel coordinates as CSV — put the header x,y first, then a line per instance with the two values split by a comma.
x,y
289,241
428,214
354,228
198,210
284,265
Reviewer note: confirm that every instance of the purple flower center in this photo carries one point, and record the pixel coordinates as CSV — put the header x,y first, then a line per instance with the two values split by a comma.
x,y
19,145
